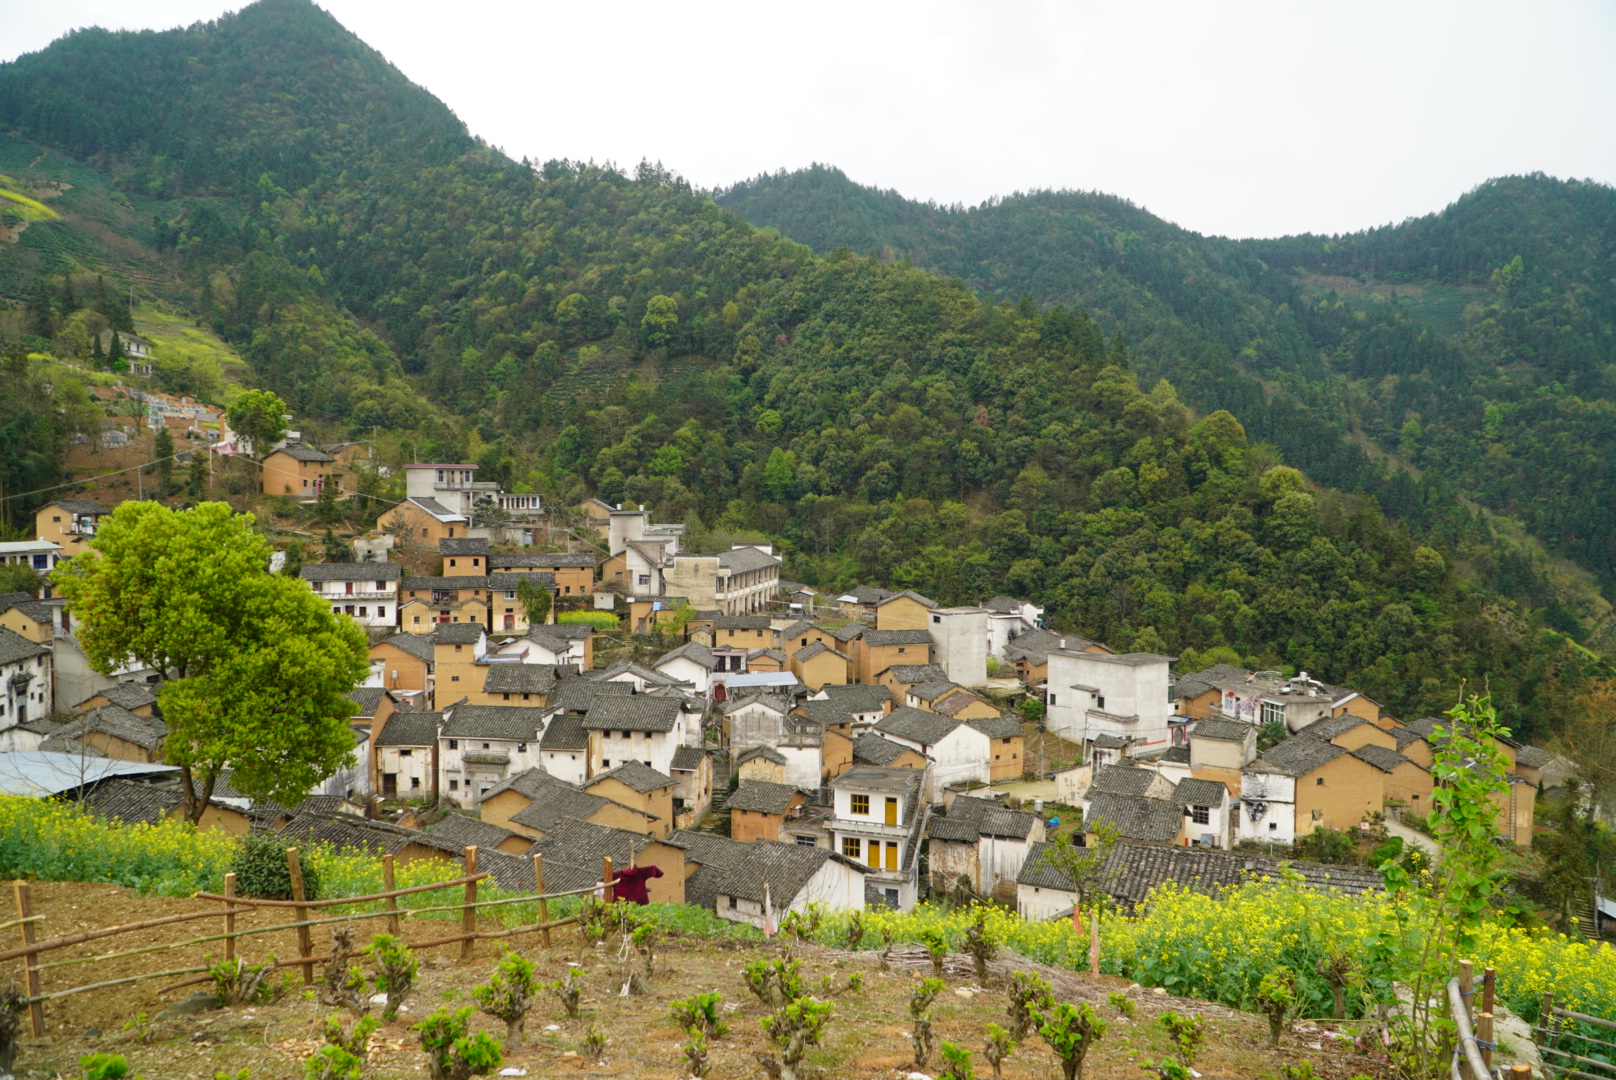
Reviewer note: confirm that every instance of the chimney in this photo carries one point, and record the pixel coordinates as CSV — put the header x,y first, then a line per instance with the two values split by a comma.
x,y
1063,643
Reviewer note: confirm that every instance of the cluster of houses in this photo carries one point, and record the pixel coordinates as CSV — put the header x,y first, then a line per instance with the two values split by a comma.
x,y
847,749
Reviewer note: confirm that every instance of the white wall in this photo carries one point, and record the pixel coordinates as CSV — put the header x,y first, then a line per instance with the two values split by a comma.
x,y
803,766
471,779
687,670
1038,904
964,754
1127,690
568,765
1276,794
960,643
413,770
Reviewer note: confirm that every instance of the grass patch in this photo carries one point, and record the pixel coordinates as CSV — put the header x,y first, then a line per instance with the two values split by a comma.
x,y
21,205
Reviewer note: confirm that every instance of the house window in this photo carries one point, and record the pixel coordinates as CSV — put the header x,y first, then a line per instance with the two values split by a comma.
x,y
417,620
1319,782
605,762
405,753
454,678
850,846
900,648
454,744
1272,711
860,804
451,562
454,785
1201,815
415,782
362,610
510,594
485,746
732,902
507,697
645,579
1052,699
1099,701
381,586
521,748
1273,826
805,841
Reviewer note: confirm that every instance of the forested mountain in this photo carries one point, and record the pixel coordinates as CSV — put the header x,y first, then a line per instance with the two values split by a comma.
x,y
581,331
1473,346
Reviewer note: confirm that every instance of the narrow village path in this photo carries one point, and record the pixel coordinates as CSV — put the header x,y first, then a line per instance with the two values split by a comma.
x,y
1413,836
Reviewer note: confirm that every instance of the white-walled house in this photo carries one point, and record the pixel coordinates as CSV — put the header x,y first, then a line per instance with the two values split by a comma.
x,y
634,727
564,749
1208,813
731,877
25,680
691,663
366,591
1091,694
1267,809
404,756
878,817
982,844
1042,892
959,752
755,720
480,745
549,644
1008,619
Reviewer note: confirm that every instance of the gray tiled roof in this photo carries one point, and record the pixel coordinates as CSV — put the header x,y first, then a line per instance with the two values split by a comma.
x,y
786,868
1175,755
586,559
869,594
463,545
410,728
970,819
1221,730
847,633
926,728
367,571
876,750
1296,756
566,731
464,581
742,622
369,699
299,452
129,695
916,673
563,803
1107,741
639,712
115,720
1406,735
955,704
1133,870
772,654
39,611
808,652
437,510
688,759
15,647
466,633
635,774
1193,792
529,783
417,645
858,697
767,753
1199,682
999,727
797,629
573,851
132,803
345,831
60,744
693,651
877,638
1136,817
517,723
465,830
577,695
508,580
763,797
515,678
632,670
744,560
827,713
1380,757
1532,757
934,688
1122,780
1036,645
911,594
81,506
1329,727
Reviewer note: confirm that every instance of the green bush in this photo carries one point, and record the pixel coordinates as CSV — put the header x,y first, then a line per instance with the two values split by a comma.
x,y
261,869
600,620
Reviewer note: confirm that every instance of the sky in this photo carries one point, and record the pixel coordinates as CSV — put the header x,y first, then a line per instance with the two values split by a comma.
x,y
1236,118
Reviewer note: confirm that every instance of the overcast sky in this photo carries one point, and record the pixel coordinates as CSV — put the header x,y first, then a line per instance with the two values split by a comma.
x,y
1248,119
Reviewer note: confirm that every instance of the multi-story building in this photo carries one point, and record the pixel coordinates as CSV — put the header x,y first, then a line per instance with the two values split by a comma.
x,y
1090,694
25,680
303,472
573,571
40,556
368,592
69,523
878,817
479,746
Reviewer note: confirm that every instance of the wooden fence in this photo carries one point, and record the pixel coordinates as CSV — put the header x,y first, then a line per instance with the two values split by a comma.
x,y
1473,1040
304,911
1558,1030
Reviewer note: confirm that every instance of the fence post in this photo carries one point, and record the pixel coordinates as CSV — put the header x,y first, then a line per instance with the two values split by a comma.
x,y
230,917
30,963
305,944
606,879
538,888
1467,989
1484,1030
468,917
392,901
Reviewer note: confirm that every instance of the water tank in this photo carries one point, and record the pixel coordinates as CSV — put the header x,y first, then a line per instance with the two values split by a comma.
x,y
1038,807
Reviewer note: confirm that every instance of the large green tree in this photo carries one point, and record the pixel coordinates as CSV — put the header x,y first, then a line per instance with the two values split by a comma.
x,y
258,416
254,668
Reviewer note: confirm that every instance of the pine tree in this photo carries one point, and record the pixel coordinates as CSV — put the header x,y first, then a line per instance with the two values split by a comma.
x,y
196,480
115,359
98,354
41,310
69,301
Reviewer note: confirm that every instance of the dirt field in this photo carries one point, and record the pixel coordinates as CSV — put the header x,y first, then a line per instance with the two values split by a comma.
x,y
867,1037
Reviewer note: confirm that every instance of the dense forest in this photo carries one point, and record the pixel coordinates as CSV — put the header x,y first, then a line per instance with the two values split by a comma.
x,y
1123,456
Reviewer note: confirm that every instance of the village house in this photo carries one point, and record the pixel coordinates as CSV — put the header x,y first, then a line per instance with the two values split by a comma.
x,y
860,603
866,704
402,662
40,556
429,602
878,818
635,784
1134,817
1092,693
1231,693
25,680
302,472
906,610
640,727
1008,619
644,680
573,854
899,679
117,733
979,847
639,569
138,698
466,831
818,666
754,720
554,644
69,524
758,809
740,581
800,598
692,770
480,745
763,763
573,572
1029,653
1007,739
1516,806
464,555
510,682
533,803
458,650
1220,750
367,592
374,838
871,749
878,650
960,642
1304,784
959,753
404,755
949,699
691,663
1208,811
737,881
564,749
439,502
147,804
509,615
33,619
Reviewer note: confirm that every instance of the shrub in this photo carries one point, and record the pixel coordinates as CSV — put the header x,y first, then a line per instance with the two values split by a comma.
x,y
1070,1032
936,946
776,981
796,1027
395,971
1187,1033
920,999
998,1046
344,986
696,1054
594,1044
261,870
1124,1004
1028,995
956,1062
508,995
1276,997
451,1053
570,990
104,1067
982,944
235,982
600,620
701,1013
343,1055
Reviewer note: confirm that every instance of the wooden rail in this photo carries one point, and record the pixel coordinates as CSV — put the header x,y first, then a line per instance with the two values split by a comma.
x,y
1556,1027
305,911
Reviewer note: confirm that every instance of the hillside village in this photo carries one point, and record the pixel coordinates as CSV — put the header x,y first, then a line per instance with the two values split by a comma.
x,y
783,747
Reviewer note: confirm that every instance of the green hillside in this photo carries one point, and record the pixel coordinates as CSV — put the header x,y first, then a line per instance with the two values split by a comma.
x,y
582,331
1425,341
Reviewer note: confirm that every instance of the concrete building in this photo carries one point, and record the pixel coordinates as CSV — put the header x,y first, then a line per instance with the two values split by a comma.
x,y
878,818
26,686
1126,696
960,752
960,643
366,592
68,523
40,556
1008,619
